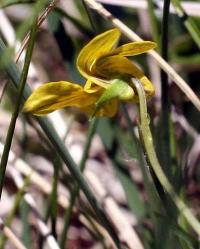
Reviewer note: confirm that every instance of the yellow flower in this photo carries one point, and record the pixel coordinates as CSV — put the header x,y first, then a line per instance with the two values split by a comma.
x,y
103,66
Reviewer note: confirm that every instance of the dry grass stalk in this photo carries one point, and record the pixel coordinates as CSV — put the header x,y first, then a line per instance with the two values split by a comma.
x,y
191,8
11,236
41,19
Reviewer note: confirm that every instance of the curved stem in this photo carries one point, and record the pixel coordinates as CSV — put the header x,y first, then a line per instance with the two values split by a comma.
x,y
146,137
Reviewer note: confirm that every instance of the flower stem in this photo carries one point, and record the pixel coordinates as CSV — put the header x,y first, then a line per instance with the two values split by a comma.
x,y
149,187
146,137
22,82
76,189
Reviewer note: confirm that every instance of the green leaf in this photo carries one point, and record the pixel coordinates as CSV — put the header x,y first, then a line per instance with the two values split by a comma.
x,y
132,193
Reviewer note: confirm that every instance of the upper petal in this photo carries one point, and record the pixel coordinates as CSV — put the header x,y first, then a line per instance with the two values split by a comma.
x,y
133,48
96,48
56,95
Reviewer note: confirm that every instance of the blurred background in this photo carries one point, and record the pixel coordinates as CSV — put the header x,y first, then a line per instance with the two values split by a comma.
x,y
38,188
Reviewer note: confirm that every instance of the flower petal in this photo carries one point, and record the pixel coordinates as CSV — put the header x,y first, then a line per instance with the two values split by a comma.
x,y
118,66
90,87
56,95
133,48
96,48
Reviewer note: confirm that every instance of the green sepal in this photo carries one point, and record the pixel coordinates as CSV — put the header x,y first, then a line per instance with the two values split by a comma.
x,y
120,89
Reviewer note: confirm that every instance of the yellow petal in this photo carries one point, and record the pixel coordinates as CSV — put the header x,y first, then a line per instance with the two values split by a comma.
x,y
56,95
90,87
118,66
133,48
115,66
96,48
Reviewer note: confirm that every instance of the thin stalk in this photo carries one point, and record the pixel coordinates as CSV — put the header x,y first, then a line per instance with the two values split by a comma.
x,y
52,204
55,140
11,129
41,19
54,196
90,17
165,102
146,137
96,230
76,189
189,22
75,21
154,23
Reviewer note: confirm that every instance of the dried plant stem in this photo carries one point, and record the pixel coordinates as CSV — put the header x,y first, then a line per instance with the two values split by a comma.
x,y
15,207
11,128
163,64
192,8
40,20
11,236
146,137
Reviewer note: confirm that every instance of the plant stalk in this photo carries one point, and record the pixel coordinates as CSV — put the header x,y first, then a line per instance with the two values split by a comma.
x,y
22,82
165,102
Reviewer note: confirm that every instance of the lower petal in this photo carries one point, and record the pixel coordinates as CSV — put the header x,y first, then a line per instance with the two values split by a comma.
x,y
56,95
